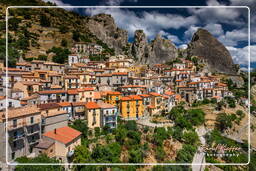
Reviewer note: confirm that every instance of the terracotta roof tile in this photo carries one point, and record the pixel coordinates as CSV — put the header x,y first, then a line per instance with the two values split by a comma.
x,y
52,92
155,94
92,105
64,104
64,135
48,106
20,112
72,91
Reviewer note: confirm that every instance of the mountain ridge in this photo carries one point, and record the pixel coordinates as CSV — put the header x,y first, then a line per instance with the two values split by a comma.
x,y
102,29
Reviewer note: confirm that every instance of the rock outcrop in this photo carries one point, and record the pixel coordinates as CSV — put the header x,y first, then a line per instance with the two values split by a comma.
x,y
158,50
104,28
204,45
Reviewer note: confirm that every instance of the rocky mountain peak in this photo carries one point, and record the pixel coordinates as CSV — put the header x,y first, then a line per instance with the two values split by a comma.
x,y
103,26
159,50
205,45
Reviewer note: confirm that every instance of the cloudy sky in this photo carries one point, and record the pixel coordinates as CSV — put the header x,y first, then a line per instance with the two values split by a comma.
x,y
228,25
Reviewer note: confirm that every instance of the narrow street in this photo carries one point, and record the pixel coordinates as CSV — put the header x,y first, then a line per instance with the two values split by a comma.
x,y
199,157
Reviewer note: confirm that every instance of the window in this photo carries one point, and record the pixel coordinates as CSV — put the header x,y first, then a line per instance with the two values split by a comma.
x,y
31,119
14,122
13,155
10,104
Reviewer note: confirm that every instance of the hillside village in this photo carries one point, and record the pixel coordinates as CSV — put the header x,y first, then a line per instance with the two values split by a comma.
x,y
44,97
72,96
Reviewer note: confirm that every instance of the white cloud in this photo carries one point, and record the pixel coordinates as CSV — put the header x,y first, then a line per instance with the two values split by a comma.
x,y
171,37
60,3
116,2
151,22
189,33
183,46
229,38
221,15
241,56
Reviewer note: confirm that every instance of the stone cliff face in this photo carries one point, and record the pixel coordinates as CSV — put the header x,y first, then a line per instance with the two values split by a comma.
x,y
158,51
104,28
204,45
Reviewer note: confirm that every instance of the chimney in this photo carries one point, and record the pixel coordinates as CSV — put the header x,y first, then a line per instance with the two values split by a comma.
x,y
55,131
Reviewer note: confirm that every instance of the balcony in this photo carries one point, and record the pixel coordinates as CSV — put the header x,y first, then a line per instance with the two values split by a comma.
x,y
29,133
37,121
16,126
17,137
33,142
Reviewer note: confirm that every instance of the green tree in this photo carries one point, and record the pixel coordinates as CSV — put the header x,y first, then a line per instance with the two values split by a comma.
x,y
63,29
109,153
131,125
81,126
64,42
135,156
195,116
13,24
120,135
160,134
134,137
190,137
45,21
224,121
42,158
185,155
97,131
61,54
160,153
42,57
76,36
81,155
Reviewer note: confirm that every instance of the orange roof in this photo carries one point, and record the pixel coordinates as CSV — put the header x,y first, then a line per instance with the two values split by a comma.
x,y
92,105
64,135
178,97
64,104
143,95
51,92
135,97
105,105
86,89
169,93
221,85
151,107
21,112
178,80
193,83
125,98
131,97
133,86
155,94
78,103
72,91
113,93
164,96
97,95
120,73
